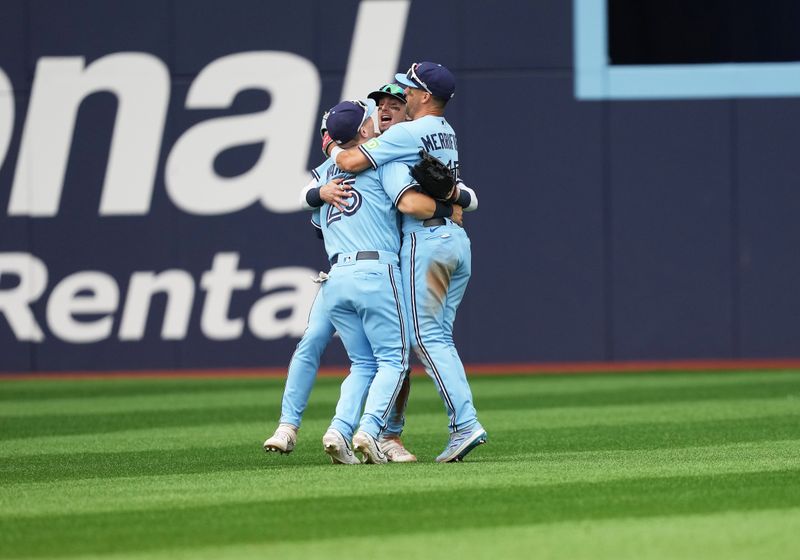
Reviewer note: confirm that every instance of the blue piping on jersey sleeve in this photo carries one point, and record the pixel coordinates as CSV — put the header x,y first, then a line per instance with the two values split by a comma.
x,y
368,156
405,147
403,191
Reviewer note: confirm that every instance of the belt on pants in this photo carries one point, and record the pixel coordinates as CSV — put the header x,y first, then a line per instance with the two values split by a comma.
x,y
360,256
433,222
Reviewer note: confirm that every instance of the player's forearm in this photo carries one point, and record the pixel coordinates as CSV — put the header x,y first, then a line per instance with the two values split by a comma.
x,y
416,204
351,160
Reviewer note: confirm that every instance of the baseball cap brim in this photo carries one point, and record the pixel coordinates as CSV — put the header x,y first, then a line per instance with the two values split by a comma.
x,y
404,81
376,95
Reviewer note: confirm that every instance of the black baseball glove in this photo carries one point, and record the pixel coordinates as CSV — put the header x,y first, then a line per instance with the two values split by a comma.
x,y
434,177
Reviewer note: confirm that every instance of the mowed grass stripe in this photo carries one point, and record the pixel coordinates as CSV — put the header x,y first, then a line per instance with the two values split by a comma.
x,y
214,429
729,535
420,512
284,478
507,441
88,388
139,403
52,425
40,390
613,382
12,427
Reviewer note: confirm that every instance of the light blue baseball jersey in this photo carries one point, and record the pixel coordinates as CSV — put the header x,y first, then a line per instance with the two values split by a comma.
x,y
403,142
370,221
316,218
323,173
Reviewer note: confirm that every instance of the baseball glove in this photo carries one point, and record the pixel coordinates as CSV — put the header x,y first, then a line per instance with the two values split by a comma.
x,y
434,177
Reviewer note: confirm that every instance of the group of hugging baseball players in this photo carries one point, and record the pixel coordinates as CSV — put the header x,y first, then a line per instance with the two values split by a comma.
x,y
400,264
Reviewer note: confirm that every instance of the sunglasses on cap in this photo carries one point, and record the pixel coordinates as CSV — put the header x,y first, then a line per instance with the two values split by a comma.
x,y
364,107
393,89
412,75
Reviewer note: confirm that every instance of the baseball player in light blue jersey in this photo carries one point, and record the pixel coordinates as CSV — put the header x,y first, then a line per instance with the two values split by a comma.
x,y
305,360
363,293
363,299
436,258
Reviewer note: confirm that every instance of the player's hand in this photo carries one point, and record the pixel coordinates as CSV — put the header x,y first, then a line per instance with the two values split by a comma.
x,y
327,143
458,215
336,194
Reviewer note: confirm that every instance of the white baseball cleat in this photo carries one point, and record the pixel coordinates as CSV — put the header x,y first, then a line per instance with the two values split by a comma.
x,y
283,440
461,443
338,448
369,448
395,451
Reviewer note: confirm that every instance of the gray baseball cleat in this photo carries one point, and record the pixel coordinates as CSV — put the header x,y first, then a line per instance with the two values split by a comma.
x,y
283,440
462,442
338,448
369,448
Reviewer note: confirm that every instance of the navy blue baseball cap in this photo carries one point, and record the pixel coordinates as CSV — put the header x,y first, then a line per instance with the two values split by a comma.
x,y
431,77
346,118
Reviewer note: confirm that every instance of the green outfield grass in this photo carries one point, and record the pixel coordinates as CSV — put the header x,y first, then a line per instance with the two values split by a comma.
x,y
629,466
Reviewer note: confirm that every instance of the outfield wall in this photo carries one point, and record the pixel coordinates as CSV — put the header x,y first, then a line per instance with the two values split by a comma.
x,y
158,146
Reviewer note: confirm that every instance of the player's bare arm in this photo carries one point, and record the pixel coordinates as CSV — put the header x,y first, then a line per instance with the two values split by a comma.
x,y
351,160
423,207
458,215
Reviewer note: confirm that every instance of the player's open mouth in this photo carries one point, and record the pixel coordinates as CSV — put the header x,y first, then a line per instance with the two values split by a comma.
x,y
385,118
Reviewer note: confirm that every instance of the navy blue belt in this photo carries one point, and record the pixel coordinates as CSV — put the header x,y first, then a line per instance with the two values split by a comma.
x,y
360,256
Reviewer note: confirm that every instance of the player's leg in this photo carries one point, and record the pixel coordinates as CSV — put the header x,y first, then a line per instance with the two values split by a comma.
x,y
435,262
353,392
455,294
394,447
356,385
300,378
466,438
354,388
397,417
382,312
305,362
390,442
